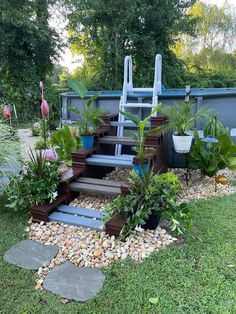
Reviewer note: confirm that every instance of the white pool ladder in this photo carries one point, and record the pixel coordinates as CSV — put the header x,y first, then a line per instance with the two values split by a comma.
x,y
128,89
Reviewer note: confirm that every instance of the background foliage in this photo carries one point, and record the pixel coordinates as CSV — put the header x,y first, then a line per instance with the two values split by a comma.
x,y
28,47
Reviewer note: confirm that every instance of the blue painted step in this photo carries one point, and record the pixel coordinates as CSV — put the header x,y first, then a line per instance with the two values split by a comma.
x,y
123,161
77,221
89,213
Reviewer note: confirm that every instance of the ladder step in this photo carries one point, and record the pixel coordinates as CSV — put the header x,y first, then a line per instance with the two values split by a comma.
x,y
127,123
94,189
110,161
142,89
100,182
77,221
89,213
137,105
117,140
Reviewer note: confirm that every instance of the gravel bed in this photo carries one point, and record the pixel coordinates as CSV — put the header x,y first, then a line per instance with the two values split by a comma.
x,y
203,187
89,248
27,142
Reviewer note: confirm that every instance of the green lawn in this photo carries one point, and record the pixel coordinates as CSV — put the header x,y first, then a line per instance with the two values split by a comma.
x,y
198,276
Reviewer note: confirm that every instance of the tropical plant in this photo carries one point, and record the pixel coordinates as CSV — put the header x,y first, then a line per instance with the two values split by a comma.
x,y
65,143
36,184
214,128
213,154
90,116
182,117
151,194
141,134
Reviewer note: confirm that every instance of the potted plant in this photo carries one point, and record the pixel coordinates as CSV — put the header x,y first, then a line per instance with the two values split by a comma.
x,y
90,116
182,118
151,197
140,137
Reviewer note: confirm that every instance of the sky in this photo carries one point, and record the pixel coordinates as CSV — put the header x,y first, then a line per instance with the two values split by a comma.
x,y
71,62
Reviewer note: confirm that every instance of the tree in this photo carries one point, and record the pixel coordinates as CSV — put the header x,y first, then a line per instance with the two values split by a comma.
x,y
209,56
27,51
105,31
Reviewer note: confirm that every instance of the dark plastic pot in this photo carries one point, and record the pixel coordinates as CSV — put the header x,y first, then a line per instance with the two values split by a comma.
x,y
153,221
87,141
141,170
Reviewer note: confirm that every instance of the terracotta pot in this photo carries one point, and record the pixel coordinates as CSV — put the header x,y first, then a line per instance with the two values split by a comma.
x,y
114,226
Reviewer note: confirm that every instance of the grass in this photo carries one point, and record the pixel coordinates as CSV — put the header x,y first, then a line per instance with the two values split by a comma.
x,y
198,276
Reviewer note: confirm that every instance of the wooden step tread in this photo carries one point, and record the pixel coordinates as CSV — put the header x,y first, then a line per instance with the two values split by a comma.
x,y
79,211
100,182
77,220
110,161
117,140
127,123
94,189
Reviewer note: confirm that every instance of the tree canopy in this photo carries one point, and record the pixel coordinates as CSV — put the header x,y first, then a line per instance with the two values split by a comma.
x,y
105,31
28,47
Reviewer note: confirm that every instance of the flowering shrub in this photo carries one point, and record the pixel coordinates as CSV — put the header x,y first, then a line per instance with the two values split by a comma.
x,y
37,184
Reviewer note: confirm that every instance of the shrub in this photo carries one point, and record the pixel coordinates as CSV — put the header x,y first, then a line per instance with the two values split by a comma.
x,y
36,184
151,194
217,151
65,141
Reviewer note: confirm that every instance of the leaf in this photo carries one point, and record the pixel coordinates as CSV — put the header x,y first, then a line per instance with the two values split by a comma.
x,y
154,300
78,87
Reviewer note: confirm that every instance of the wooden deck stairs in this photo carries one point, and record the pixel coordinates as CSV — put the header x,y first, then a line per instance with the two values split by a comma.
x,y
90,166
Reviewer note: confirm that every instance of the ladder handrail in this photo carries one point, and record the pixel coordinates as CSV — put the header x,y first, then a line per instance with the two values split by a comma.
x,y
157,78
128,88
128,77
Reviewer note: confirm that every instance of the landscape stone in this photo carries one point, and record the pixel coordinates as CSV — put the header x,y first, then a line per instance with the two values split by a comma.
x,y
73,282
30,254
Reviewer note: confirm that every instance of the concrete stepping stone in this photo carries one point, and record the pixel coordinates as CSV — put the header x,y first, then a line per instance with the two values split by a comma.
x,y
30,254
73,282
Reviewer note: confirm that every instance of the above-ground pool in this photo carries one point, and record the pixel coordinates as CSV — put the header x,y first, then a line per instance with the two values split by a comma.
x,y
221,100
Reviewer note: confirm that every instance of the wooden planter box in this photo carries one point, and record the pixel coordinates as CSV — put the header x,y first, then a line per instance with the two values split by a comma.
x,y
114,226
41,212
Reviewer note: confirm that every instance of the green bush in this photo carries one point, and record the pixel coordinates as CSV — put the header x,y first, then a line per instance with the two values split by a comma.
x,y
210,157
149,195
65,142
37,184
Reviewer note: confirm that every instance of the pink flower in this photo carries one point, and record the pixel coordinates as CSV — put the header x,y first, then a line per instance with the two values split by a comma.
x,y
44,108
6,112
49,154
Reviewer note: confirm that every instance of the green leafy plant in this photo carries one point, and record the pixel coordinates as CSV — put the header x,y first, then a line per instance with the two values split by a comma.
x,y
182,117
211,157
40,145
36,130
151,194
141,134
90,116
214,128
65,142
37,183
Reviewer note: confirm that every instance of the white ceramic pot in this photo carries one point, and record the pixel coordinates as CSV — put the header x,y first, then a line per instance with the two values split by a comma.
x,y
182,144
